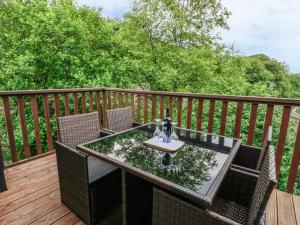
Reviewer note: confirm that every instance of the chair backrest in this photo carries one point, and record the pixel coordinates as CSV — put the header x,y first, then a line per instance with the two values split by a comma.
x,y
264,148
119,119
73,180
3,186
78,129
264,187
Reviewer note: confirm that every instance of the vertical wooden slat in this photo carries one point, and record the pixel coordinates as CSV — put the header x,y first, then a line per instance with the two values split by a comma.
x,y
48,122
109,100
26,147
294,163
211,115
238,119
268,121
98,107
282,137
179,111
67,104
126,99
145,108
153,99
199,114
132,105
35,115
162,106
189,114
120,100
171,105
10,129
115,99
56,105
252,123
75,99
223,117
104,101
138,108
91,102
83,102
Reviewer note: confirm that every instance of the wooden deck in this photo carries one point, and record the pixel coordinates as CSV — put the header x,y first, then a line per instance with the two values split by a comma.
x,y
33,198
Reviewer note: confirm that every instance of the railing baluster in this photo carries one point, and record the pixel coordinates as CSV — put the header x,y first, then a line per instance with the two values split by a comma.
x,y
179,111
153,97
223,117
115,99
268,121
132,105
120,100
145,108
75,99
162,106
126,99
56,105
98,107
252,123
36,124
67,104
83,102
104,100
199,114
48,122
109,100
10,129
91,102
295,163
26,147
138,108
171,104
189,114
211,116
238,119
282,137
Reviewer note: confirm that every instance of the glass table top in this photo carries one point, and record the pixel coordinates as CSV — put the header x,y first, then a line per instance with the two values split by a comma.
x,y
200,159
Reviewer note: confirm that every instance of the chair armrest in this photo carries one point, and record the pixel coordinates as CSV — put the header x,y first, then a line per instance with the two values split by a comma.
x,y
247,156
238,186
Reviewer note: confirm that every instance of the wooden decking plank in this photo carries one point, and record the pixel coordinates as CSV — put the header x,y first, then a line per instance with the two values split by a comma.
x,y
271,211
33,163
296,200
70,218
28,213
25,183
52,216
29,198
286,213
28,190
79,223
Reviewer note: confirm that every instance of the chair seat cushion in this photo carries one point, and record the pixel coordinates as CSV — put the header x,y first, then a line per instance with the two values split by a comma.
x,y
230,210
98,168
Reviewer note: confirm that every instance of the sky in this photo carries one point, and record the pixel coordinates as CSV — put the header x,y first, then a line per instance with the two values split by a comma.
x,y
271,27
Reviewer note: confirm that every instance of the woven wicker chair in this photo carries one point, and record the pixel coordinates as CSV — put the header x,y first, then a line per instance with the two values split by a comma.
x,y
241,199
3,186
119,119
250,158
84,178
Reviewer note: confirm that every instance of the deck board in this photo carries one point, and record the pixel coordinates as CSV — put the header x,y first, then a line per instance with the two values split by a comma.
x,y
34,198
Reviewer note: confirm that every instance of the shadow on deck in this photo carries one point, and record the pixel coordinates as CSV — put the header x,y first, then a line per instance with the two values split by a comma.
x,y
33,198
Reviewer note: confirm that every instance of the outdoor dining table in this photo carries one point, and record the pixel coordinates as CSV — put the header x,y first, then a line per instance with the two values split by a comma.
x,y
202,164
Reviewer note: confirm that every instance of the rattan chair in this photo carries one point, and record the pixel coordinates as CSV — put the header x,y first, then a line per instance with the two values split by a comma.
x,y
119,119
84,178
3,186
250,158
241,199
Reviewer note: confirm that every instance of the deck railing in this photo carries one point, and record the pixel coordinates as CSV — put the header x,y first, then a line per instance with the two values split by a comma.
x,y
33,113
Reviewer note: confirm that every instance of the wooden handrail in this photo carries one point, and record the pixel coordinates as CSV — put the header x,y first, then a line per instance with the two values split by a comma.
x,y
187,108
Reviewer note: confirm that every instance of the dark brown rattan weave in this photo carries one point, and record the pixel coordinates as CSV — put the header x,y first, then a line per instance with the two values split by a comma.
x,y
3,186
251,157
241,199
119,119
